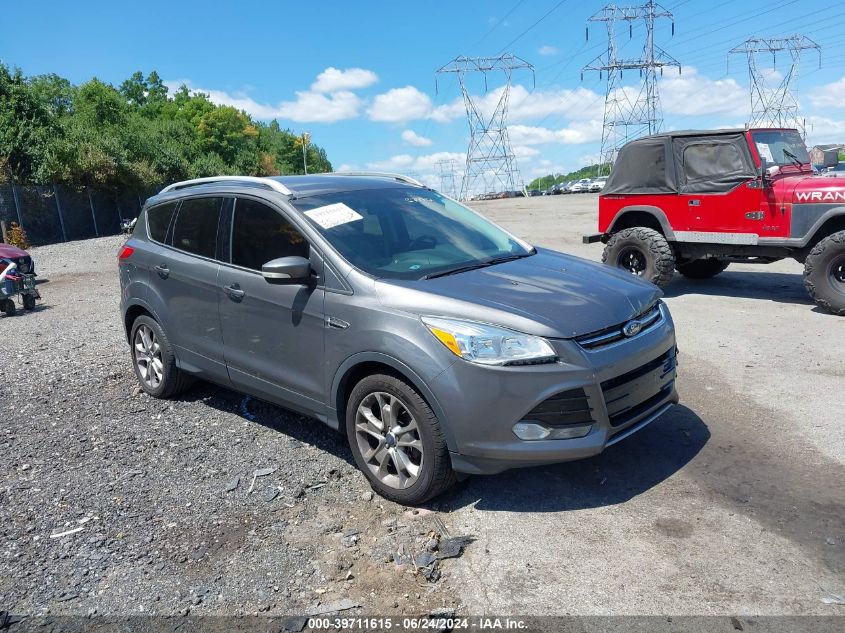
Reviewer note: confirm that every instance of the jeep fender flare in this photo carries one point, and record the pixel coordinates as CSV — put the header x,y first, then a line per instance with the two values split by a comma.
x,y
655,212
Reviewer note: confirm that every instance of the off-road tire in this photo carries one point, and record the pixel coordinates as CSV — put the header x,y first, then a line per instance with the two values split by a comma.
x,y
9,307
702,268
658,256
819,269
436,474
28,302
174,380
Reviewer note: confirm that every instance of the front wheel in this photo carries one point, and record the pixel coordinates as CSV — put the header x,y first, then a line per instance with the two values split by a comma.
x,y
397,441
9,307
703,268
824,273
642,252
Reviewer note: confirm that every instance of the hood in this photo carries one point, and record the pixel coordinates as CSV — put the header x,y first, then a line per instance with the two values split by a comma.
x,y
548,294
810,189
7,251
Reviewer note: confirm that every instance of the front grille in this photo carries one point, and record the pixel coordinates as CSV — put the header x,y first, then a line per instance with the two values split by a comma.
x,y
562,409
635,392
613,334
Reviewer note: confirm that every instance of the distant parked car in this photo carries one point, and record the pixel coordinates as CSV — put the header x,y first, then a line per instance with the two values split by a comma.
x,y
534,192
582,186
598,184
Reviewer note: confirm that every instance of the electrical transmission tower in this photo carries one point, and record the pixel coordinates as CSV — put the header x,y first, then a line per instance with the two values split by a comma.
x,y
448,184
491,164
630,115
775,106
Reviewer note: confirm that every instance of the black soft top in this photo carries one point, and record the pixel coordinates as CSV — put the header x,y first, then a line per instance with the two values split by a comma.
x,y
687,161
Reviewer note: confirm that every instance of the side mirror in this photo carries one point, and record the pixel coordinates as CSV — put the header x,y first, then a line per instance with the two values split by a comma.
x,y
772,171
287,271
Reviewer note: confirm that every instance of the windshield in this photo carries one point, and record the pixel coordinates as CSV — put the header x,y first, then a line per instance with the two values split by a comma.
x,y
775,147
407,233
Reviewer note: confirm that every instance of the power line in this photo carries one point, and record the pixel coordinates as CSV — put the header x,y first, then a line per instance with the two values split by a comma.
x,y
530,28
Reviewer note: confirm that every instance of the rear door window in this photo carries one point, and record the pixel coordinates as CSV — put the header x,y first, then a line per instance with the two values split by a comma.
x,y
261,234
196,226
158,220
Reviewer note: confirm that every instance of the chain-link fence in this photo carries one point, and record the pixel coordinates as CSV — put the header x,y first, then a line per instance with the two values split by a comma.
x,y
56,213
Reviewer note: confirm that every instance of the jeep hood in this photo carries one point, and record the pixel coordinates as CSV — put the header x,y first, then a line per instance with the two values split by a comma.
x,y
548,294
808,189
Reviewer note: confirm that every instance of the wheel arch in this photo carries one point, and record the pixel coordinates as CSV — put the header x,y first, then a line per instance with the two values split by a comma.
x,y
132,312
363,364
642,215
833,223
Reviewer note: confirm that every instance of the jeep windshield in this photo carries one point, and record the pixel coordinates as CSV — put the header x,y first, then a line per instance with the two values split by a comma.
x,y
408,233
780,147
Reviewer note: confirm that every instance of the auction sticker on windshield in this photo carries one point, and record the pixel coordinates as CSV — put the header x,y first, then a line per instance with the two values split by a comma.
x,y
333,215
765,152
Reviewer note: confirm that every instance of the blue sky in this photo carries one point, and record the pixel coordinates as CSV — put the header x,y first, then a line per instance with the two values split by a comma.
x,y
359,75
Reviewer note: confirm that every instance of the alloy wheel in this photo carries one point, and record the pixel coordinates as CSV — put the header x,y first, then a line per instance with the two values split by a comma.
x,y
837,273
148,357
389,439
633,260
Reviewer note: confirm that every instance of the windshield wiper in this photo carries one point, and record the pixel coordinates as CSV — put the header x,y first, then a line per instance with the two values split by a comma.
x,y
792,157
482,264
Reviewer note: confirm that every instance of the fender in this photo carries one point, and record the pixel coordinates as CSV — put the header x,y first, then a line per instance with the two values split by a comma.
x,y
416,381
656,212
142,303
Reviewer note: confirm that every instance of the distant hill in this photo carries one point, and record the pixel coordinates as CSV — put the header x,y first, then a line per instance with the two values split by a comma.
x,y
545,182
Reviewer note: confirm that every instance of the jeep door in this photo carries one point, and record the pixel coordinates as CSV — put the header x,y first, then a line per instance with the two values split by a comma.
x,y
713,177
183,275
273,335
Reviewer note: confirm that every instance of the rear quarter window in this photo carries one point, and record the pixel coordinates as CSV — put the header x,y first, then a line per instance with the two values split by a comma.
x,y
158,220
196,226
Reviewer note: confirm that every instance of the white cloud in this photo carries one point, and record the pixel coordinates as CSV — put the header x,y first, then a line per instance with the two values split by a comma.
x,y
412,138
399,105
580,132
830,95
425,167
309,107
547,50
824,130
448,111
345,167
335,80
394,163
691,94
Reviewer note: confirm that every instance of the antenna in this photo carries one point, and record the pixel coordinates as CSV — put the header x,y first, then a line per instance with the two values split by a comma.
x,y
775,106
491,163
627,118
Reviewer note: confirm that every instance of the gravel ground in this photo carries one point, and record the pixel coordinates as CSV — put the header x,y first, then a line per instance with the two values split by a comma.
x,y
117,503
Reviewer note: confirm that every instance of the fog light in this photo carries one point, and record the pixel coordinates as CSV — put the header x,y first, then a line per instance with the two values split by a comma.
x,y
533,431
570,432
530,431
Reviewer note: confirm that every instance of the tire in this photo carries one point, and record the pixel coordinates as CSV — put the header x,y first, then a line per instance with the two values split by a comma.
x,y
9,307
387,459
28,302
824,273
166,379
702,268
643,252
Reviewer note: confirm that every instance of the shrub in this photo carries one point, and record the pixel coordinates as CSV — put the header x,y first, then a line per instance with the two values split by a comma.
x,y
16,236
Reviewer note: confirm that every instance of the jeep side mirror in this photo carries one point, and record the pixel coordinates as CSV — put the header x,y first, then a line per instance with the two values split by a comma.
x,y
772,171
287,271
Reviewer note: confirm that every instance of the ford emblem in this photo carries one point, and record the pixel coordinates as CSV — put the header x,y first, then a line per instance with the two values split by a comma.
x,y
632,328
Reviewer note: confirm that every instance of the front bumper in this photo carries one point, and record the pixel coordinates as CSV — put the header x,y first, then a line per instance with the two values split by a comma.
x,y
627,385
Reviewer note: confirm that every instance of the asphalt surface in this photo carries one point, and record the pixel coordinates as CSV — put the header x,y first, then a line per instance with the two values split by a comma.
x,y
114,503
732,503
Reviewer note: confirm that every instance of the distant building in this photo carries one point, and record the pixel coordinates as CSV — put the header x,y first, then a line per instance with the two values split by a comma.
x,y
826,155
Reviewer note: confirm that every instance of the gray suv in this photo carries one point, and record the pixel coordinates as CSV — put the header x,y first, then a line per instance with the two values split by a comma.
x,y
437,342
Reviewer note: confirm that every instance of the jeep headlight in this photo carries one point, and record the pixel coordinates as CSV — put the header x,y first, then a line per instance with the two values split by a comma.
x,y
488,344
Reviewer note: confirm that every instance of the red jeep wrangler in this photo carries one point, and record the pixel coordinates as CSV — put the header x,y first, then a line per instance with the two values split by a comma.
x,y
695,201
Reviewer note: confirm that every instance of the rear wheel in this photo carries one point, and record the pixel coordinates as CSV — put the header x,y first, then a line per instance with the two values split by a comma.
x,y
396,440
28,302
154,360
9,307
642,252
824,273
702,268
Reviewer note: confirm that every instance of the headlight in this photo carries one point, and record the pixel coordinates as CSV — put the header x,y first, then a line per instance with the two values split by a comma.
x,y
488,344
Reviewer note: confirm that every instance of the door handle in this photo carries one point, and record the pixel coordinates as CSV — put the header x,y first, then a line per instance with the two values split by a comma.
x,y
234,291
163,271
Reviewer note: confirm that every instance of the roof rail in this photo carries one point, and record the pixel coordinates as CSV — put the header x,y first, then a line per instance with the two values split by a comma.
x,y
270,183
383,174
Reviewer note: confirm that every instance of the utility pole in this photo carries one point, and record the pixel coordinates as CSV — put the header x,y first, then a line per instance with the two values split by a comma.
x,y
627,118
775,106
304,140
447,170
490,163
